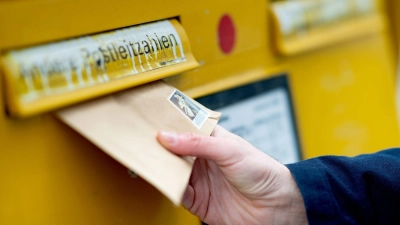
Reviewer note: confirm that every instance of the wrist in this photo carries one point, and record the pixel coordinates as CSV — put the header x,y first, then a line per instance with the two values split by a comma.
x,y
293,209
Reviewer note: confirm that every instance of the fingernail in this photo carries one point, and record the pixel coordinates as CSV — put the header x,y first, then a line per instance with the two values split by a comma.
x,y
169,137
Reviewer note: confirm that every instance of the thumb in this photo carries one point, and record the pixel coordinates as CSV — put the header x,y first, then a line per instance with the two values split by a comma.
x,y
220,150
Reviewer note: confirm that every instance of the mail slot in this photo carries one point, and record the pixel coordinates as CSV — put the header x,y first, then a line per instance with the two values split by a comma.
x,y
49,76
306,25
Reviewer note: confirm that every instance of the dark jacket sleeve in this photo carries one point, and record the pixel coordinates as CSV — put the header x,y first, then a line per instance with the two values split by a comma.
x,y
360,190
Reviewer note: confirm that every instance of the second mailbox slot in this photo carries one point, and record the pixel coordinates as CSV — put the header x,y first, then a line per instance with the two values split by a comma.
x,y
47,77
310,24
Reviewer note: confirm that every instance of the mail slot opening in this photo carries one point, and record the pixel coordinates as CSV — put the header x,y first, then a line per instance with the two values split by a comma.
x,y
302,26
50,76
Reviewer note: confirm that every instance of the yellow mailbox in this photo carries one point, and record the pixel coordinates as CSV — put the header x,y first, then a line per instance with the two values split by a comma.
x,y
58,53
342,70
337,77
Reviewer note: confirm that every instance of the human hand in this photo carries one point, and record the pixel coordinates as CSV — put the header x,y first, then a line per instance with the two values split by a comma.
x,y
232,182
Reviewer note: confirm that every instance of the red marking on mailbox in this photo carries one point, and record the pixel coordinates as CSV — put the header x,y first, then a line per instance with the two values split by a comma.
x,y
226,34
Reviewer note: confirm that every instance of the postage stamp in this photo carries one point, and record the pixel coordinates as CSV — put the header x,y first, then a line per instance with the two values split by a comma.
x,y
187,106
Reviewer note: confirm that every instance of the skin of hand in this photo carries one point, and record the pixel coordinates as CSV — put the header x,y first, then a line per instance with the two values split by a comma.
x,y
232,182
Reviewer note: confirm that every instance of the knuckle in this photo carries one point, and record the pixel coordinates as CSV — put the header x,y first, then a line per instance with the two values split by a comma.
x,y
194,140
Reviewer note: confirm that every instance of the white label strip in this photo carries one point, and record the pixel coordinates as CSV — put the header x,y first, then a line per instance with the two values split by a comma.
x,y
86,61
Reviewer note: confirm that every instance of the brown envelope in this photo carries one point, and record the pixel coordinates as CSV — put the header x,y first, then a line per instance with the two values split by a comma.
x,y
125,125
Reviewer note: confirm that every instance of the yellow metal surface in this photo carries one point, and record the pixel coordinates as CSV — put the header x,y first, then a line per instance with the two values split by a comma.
x,y
52,175
392,8
346,104
343,95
